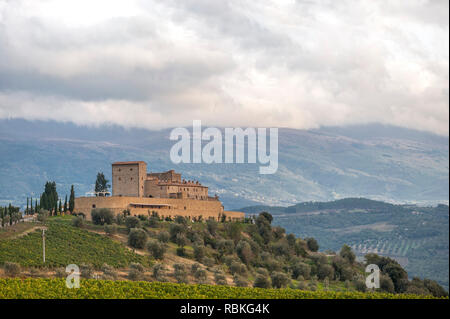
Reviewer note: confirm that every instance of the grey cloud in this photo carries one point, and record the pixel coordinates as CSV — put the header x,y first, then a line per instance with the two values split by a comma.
x,y
298,64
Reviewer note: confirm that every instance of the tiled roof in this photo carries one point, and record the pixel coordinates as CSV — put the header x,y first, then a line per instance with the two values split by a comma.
x,y
125,163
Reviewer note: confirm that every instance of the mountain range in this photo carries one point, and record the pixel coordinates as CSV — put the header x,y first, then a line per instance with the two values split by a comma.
x,y
373,161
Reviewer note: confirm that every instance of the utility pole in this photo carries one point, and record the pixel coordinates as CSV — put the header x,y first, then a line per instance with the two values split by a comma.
x,y
43,245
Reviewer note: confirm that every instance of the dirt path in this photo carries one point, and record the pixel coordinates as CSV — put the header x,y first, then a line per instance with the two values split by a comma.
x,y
28,231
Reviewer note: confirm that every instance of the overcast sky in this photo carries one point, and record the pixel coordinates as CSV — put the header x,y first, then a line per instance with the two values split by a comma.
x,y
154,64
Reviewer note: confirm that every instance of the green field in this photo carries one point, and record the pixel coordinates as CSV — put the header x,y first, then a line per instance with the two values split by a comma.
x,y
67,245
104,289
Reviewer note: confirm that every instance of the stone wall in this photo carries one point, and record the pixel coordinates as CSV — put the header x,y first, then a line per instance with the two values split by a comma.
x,y
163,206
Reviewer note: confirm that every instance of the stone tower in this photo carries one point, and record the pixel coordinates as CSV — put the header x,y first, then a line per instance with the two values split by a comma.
x,y
128,178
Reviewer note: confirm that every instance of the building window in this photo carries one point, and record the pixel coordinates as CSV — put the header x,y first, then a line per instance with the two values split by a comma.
x,y
131,169
93,205
120,178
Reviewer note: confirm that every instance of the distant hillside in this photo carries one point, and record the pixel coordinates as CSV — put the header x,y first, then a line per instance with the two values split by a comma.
x,y
418,237
372,161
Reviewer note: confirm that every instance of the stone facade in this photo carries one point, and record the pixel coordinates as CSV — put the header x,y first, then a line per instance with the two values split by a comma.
x,y
128,178
165,193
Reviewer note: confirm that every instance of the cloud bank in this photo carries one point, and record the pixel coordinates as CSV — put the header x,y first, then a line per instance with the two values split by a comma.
x,y
156,64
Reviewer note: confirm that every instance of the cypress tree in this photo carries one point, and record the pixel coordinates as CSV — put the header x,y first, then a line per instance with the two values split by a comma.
x,y
31,209
60,207
28,207
65,205
10,214
72,200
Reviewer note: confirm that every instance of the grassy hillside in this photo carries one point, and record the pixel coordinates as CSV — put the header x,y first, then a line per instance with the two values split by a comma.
x,y
66,245
252,253
416,236
90,289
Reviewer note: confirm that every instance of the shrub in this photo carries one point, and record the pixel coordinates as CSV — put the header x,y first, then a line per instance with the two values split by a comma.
x,y
325,270
157,249
78,221
181,251
195,267
181,220
201,276
181,240
262,281
164,237
179,272
176,229
12,269
300,248
132,222
312,244
137,238
135,275
86,271
35,272
435,289
280,279
268,217
137,266
159,272
281,248
228,260
343,270
120,219
302,285
220,279
225,247
212,225
136,272
153,222
109,273
386,284
240,281
360,285
60,272
273,265
110,229
233,231
347,253
199,253
301,269
262,271
291,240
43,215
244,252
238,268
102,216
278,232
208,261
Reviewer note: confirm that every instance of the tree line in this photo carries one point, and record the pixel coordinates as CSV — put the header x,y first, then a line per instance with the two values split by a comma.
x,y
9,215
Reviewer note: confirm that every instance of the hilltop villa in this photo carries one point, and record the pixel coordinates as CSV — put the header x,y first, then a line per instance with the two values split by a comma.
x,y
165,193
